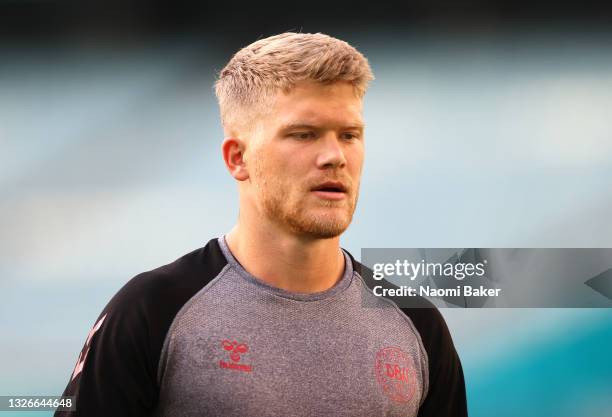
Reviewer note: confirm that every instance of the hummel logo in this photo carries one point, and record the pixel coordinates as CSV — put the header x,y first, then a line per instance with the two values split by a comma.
x,y
235,349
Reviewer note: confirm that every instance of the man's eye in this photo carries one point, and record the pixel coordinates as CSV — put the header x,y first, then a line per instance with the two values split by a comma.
x,y
350,136
302,135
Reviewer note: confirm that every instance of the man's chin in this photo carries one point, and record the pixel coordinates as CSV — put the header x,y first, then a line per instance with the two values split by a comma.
x,y
320,228
324,234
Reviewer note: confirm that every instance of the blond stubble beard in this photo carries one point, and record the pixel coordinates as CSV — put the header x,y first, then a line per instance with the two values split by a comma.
x,y
294,216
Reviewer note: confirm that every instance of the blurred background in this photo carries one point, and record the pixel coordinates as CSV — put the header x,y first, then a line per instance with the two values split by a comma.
x,y
488,125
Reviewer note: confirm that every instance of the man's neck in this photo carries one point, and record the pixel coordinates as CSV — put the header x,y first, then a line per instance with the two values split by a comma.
x,y
286,261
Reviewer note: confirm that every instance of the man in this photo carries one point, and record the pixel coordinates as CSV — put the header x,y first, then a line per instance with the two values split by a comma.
x,y
269,320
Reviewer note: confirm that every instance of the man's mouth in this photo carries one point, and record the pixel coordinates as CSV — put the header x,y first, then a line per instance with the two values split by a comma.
x,y
330,190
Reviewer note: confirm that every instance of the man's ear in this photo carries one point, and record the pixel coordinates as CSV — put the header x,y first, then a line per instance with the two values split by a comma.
x,y
233,150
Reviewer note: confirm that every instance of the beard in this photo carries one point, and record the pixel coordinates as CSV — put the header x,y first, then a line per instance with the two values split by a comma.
x,y
322,219
326,220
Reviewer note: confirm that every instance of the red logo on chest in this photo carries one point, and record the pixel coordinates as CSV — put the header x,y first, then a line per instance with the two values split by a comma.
x,y
235,350
395,373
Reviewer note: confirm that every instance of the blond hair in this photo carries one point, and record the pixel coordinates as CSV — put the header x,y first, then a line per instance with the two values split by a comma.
x,y
258,71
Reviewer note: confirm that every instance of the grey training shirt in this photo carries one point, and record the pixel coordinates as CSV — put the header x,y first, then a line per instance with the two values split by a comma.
x,y
203,337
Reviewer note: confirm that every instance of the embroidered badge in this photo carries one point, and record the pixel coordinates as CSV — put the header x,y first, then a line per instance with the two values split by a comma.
x,y
395,374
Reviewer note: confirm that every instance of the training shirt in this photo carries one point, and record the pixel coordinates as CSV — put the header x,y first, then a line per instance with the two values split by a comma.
x,y
201,336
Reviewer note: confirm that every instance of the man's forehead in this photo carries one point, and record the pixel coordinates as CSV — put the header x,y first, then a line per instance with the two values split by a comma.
x,y
310,88
295,120
321,124
315,107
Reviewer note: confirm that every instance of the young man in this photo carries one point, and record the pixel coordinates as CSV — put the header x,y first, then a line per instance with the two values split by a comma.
x,y
269,319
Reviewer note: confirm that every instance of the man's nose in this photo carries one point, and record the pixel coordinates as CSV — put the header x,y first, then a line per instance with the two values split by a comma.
x,y
331,154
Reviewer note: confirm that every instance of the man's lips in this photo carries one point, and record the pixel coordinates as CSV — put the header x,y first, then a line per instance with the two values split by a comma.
x,y
330,190
331,186
330,195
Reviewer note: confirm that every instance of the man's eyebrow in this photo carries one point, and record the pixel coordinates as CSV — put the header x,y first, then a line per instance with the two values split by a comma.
x,y
295,126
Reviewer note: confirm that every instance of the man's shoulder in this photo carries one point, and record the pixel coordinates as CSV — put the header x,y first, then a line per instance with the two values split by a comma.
x,y
424,315
170,286
124,346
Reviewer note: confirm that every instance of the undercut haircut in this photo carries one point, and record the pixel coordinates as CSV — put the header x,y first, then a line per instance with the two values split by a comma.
x,y
258,71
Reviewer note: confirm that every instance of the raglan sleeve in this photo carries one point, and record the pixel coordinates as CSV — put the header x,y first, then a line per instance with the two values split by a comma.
x,y
446,396
115,373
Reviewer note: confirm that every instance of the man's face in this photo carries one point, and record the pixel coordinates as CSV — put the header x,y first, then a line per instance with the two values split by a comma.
x,y
306,162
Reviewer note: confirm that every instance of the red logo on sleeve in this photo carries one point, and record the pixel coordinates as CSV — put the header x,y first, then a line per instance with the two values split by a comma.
x,y
83,355
236,351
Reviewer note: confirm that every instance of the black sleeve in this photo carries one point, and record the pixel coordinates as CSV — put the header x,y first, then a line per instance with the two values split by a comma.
x,y
115,372
446,395
120,359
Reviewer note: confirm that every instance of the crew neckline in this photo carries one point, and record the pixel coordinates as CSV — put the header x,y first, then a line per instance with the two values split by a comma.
x,y
342,284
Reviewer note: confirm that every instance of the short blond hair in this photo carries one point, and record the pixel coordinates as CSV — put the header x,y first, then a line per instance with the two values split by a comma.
x,y
258,71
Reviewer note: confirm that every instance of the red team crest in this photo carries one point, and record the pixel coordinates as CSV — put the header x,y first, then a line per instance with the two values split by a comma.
x,y
395,374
